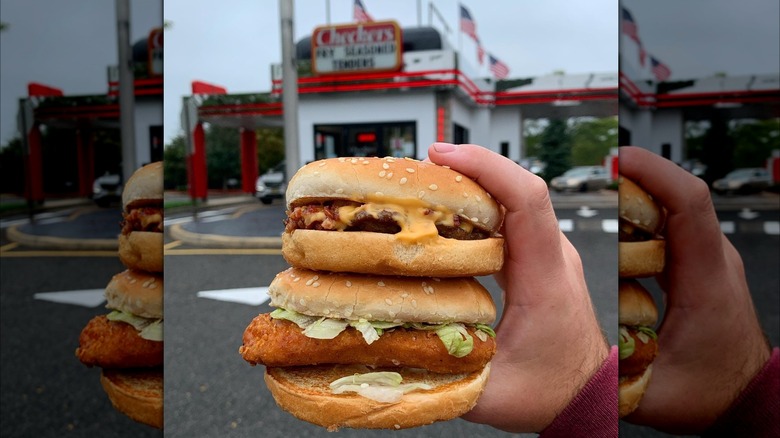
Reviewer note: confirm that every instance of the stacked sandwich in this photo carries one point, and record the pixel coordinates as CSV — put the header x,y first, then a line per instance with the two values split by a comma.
x,y
641,253
379,322
127,343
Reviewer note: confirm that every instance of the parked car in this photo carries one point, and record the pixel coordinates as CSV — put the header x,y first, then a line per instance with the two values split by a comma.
x,y
107,189
582,178
272,184
744,180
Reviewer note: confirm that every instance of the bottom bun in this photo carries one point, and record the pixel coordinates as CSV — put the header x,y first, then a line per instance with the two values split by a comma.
x,y
136,393
641,259
142,250
378,253
631,390
304,392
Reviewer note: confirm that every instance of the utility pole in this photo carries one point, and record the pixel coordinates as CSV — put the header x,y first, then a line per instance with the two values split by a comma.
x,y
126,89
289,89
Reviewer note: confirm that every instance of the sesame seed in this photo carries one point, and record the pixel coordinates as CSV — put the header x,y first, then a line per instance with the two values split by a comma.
x,y
302,301
389,175
316,277
404,295
636,221
414,303
297,279
458,178
489,196
349,283
365,162
342,159
397,426
380,283
485,220
323,163
388,301
402,181
316,284
354,161
379,194
132,281
410,170
475,219
433,187
385,166
424,284
465,195
436,279
309,282
421,194
153,286
460,211
326,311
382,174
364,385
339,191
478,198
446,167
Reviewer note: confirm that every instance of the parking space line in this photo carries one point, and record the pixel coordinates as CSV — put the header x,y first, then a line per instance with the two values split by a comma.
x,y
772,227
8,246
609,225
53,253
173,244
566,225
727,227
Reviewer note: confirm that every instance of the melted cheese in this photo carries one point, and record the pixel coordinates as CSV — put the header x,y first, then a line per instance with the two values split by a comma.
x,y
409,214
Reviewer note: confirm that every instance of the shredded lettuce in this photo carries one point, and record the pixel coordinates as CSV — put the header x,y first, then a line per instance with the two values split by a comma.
x,y
151,329
626,343
384,386
325,328
456,339
299,319
645,333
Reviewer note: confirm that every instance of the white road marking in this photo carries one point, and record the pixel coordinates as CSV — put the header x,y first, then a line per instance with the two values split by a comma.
x,y
253,296
566,225
727,227
748,214
772,227
85,297
585,211
609,225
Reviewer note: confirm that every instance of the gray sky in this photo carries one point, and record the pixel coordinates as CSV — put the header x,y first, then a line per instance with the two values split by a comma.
x,y
64,44
233,43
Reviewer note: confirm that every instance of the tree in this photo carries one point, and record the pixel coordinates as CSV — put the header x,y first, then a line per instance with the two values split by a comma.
x,y
555,149
175,164
592,140
12,167
270,148
754,141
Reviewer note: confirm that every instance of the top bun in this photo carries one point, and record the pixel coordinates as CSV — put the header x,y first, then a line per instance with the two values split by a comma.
x,y
375,298
392,179
635,305
638,207
144,186
136,292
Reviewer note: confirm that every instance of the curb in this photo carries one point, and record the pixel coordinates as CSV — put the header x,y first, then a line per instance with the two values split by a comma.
x,y
61,243
177,232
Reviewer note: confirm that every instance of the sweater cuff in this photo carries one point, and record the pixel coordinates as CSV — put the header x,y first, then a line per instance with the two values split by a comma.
x,y
756,412
594,411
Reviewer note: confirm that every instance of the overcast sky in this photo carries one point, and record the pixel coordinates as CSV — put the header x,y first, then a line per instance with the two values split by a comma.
x,y
232,43
64,44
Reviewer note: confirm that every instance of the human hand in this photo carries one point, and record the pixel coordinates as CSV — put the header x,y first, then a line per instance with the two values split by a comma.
x,y
549,341
710,342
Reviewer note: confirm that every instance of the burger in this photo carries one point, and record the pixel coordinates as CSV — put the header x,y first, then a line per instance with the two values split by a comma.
x,y
391,216
128,344
141,240
637,343
379,352
641,249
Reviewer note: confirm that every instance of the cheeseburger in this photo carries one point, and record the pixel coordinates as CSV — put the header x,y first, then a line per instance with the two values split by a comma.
x,y
637,315
141,240
641,250
391,216
380,352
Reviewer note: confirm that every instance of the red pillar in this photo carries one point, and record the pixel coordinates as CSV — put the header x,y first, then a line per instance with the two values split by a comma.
x,y
84,151
33,163
196,164
248,160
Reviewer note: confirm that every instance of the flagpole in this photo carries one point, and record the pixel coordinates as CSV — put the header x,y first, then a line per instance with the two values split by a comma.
x,y
327,12
460,35
419,13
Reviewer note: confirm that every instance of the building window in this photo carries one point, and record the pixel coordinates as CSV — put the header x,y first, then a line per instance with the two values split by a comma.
x,y
460,135
395,139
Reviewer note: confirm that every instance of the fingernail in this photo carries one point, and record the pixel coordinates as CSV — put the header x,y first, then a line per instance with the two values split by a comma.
x,y
444,147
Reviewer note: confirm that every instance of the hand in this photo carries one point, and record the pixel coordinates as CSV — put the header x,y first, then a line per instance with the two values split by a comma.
x,y
549,341
710,343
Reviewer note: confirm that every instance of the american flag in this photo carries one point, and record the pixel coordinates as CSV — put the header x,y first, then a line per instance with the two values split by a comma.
x,y
360,14
630,28
480,52
498,68
660,70
467,24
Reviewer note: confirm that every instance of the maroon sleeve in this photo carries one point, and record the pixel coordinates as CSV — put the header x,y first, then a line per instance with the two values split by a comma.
x,y
756,412
594,411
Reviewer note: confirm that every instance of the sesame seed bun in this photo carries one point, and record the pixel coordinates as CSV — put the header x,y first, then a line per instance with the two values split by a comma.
x,y
401,299
144,186
136,393
636,306
136,292
304,392
386,254
631,390
639,257
387,179
142,250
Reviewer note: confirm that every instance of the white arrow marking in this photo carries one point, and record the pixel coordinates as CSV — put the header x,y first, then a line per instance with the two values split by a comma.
x,y
772,227
566,225
86,298
748,214
253,296
585,211
609,225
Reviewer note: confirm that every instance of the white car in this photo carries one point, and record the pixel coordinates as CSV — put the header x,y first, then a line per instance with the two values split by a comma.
x,y
272,184
582,179
745,180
